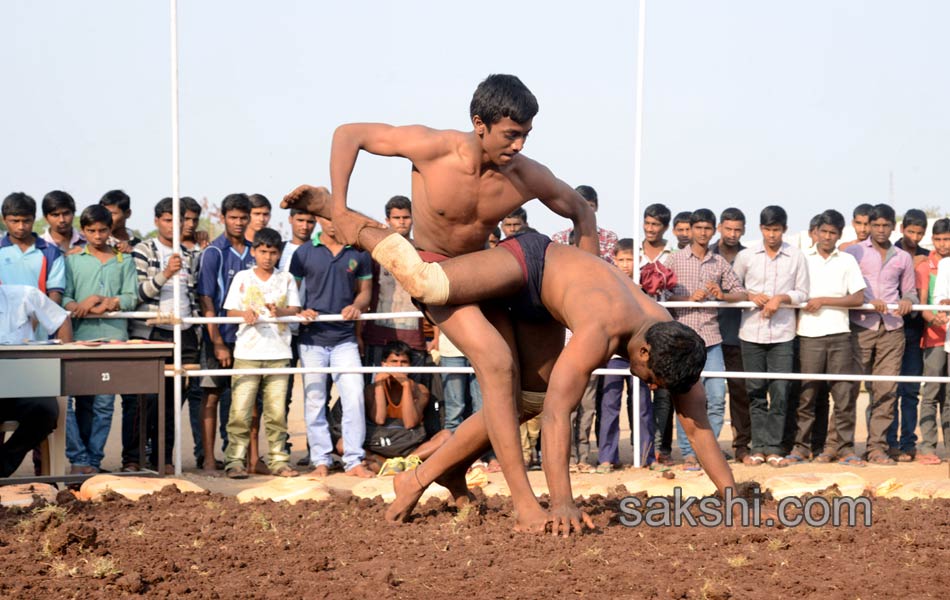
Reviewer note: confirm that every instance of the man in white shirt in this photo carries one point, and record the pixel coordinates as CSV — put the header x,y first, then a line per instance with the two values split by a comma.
x,y
774,273
824,332
20,305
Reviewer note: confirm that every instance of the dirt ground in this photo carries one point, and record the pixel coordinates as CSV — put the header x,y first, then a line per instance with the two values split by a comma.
x,y
208,546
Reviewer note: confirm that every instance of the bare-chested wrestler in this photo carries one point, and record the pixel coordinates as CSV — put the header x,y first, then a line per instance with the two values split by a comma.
x,y
463,184
543,284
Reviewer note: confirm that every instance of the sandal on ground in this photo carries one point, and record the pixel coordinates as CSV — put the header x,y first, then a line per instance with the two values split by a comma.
x,y
691,464
664,459
774,460
131,467
852,460
659,467
906,456
583,467
880,458
753,460
793,458
604,468
825,457
285,471
928,459
238,472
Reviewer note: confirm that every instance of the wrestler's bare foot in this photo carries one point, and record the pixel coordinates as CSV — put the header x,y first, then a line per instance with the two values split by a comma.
x,y
320,471
532,520
314,200
454,481
408,490
360,470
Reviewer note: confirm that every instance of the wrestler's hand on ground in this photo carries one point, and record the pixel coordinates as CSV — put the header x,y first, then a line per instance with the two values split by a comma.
x,y
351,313
533,521
567,517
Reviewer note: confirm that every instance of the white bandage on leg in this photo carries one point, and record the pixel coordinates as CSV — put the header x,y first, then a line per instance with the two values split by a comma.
x,y
424,281
530,404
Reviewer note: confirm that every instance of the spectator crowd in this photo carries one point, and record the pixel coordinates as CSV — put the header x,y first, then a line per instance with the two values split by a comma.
x,y
807,318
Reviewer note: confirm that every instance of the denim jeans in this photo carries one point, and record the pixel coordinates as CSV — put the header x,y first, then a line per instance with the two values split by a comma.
x,y
244,389
87,428
908,394
350,386
459,390
608,436
715,399
768,398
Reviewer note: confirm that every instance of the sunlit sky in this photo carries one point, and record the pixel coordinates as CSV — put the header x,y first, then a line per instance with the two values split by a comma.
x,y
806,104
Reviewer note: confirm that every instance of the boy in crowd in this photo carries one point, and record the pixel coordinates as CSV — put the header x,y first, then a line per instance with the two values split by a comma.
x,y
934,395
681,228
774,273
824,334
515,222
59,209
388,296
731,229
259,217
226,256
606,239
20,307
157,264
703,275
395,405
261,292
301,232
877,335
860,223
608,436
119,204
338,280
901,435
99,279
656,250
189,223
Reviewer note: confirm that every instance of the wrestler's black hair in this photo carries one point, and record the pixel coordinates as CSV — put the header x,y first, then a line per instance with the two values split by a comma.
x,y
659,212
677,355
58,200
267,237
501,96
95,213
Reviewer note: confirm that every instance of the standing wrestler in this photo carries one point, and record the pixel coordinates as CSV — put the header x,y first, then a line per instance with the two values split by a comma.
x,y
463,184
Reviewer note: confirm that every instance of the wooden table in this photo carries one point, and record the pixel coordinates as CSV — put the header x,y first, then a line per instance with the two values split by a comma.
x,y
76,370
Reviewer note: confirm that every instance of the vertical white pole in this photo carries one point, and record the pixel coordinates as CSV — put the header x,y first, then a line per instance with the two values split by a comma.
x,y
176,235
637,151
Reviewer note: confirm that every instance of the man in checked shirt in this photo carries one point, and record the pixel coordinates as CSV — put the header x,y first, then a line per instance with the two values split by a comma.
x,y
702,275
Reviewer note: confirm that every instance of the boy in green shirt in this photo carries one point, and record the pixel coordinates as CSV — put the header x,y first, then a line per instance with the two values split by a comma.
x,y
98,280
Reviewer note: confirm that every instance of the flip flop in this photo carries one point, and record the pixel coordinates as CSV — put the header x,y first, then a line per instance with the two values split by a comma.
x,y
877,457
691,464
825,457
774,460
285,471
753,460
238,472
928,459
793,458
852,460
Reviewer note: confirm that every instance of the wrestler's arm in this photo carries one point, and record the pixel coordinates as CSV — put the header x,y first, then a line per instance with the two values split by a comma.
x,y
691,408
415,142
563,200
585,351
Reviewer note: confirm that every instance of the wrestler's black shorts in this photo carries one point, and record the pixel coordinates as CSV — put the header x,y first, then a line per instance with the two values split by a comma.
x,y
529,248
